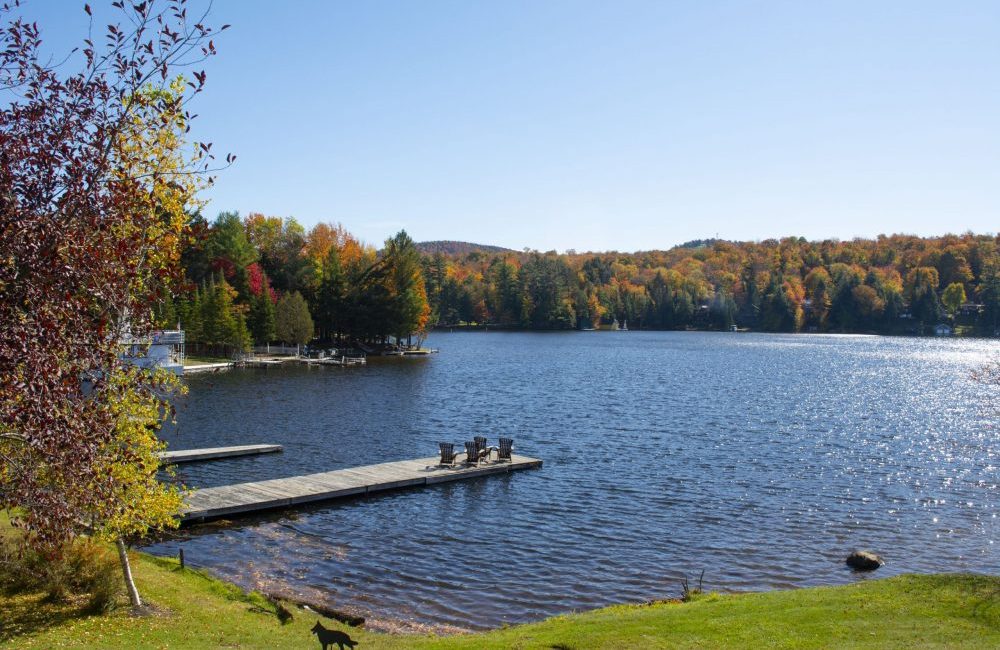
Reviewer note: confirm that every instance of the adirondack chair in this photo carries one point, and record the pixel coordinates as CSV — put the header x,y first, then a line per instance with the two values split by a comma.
x,y
472,452
481,447
504,451
447,453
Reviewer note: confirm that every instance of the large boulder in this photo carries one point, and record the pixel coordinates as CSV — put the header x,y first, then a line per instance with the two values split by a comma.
x,y
864,561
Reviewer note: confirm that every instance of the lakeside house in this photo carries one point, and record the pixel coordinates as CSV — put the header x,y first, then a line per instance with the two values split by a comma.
x,y
161,349
943,329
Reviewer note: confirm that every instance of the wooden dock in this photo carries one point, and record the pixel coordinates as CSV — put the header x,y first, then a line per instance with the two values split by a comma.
x,y
246,498
212,453
209,367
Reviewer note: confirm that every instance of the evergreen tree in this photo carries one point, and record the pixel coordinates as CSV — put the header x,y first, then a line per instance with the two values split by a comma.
x,y
924,302
223,323
408,310
722,311
989,295
683,309
189,312
261,316
230,251
332,296
293,323
165,312
777,312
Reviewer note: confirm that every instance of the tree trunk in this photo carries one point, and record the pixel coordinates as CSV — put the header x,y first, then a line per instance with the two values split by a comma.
x,y
133,593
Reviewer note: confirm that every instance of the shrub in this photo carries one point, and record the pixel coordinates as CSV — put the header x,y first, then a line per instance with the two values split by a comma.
x,y
96,571
83,567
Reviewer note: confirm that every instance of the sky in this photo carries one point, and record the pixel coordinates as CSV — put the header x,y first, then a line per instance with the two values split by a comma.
x,y
602,125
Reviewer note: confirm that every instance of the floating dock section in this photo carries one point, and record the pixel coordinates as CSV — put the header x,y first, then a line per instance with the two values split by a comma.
x,y
213,453
247,498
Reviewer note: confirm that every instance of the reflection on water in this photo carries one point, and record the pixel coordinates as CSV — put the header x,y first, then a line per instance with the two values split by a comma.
x,y
762,459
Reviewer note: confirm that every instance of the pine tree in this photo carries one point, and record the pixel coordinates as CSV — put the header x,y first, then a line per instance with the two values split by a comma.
x,y
332,295
293,324
408,310
223,321
261,316
165,312
189,311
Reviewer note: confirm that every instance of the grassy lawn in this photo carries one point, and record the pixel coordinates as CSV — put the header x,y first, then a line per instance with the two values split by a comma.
x,y
191,360
196,611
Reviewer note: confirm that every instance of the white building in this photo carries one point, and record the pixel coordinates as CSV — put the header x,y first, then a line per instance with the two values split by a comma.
x,y
162,349
943,329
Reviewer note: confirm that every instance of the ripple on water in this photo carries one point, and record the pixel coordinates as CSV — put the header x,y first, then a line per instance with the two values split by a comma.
x,y
761,459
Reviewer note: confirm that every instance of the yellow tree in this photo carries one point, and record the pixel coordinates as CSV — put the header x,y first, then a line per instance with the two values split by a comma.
x,y
953,297
151,164
138,501
95,184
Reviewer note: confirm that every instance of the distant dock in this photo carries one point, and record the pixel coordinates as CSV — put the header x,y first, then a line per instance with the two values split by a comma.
x,y
213,453
208,367
268,362
248,498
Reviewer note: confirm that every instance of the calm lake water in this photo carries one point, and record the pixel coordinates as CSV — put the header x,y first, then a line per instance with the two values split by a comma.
x,y
760,459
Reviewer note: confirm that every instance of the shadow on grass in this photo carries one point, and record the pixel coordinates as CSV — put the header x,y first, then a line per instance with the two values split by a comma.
x,y
27,614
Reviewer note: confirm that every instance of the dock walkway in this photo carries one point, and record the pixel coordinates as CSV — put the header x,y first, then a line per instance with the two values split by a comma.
x,y
208,367
246,498
212,453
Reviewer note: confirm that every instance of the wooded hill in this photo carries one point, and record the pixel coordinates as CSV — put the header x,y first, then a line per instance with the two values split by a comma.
x,y
892,284
458,248
263,279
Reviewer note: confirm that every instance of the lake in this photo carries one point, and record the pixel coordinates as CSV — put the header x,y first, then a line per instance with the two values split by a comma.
x,y
761,459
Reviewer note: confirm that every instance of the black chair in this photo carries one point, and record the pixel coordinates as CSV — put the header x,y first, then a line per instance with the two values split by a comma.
x,y
481,447
472,454
448,454
504,451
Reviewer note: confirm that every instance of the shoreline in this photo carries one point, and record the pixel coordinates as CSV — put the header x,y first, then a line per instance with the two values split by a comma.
x,y
452,329
193,609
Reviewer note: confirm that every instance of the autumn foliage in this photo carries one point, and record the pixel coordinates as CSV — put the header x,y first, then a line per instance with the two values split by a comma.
x,y
295,285
899,283
95,183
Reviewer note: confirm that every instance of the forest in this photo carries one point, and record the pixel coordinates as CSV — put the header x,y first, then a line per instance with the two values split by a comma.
x,y
893,284
264,279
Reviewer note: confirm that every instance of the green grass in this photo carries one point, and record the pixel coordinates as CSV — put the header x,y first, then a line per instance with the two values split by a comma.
x,y
193,610
192,360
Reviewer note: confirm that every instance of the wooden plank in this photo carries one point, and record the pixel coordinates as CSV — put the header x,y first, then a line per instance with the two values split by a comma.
x,y
245,498
212,453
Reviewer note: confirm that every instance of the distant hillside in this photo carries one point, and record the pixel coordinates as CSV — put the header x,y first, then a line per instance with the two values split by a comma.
x,y
458,248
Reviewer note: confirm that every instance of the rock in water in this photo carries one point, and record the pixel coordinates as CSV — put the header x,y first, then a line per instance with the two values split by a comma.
x,y
864,561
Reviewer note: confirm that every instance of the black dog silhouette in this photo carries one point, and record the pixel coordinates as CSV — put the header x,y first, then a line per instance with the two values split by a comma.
x,y
328,637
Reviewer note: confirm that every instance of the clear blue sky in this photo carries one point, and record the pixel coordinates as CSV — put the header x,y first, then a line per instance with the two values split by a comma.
x,y
605,125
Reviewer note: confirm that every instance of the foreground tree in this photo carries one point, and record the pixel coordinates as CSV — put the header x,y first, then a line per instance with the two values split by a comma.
x,y
93,188
140,501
